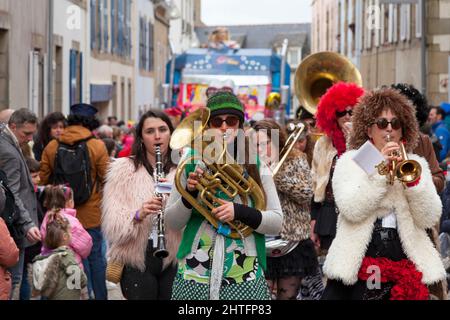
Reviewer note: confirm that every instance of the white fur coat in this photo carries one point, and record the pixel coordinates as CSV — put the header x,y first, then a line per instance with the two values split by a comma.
x,y
362,199
124,192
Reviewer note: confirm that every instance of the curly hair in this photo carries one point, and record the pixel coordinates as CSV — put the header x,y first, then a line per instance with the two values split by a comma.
x,y
419,101
337,98
46,126
372,104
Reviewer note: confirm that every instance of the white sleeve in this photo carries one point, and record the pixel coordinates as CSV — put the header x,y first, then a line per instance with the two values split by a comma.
x,y
272,216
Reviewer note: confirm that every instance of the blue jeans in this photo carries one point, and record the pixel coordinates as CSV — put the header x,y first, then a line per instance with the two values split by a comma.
x,y
25,288
17,272
95,265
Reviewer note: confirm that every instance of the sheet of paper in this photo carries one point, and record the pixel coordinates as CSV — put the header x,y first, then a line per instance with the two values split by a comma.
x,y
368,157
390,221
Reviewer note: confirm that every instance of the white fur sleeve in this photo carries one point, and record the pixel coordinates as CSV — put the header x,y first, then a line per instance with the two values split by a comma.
x,y
272,217
357,195
120,201
424,202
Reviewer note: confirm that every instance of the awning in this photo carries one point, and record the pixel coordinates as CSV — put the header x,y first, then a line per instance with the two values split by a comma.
x,y
101,92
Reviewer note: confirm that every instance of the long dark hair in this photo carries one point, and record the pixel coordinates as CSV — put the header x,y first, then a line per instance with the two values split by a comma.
x,y
46,126
138,151
249,166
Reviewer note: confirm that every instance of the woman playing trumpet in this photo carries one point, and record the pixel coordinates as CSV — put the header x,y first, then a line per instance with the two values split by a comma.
x,y
381,249
130,207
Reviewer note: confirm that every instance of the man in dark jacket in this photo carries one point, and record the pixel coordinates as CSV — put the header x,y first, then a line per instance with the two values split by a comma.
x,y
19,131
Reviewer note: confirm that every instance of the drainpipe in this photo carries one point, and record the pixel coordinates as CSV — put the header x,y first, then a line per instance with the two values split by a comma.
x,y
50,57
423,48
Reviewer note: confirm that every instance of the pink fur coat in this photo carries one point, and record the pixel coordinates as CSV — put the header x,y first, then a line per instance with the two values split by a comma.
x,y
125,191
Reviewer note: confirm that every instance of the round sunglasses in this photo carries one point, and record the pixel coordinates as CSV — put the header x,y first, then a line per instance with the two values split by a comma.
x,y
382,123
231,121
341,114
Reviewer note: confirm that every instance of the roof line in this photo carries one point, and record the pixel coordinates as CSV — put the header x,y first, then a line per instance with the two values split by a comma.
x,y
255,25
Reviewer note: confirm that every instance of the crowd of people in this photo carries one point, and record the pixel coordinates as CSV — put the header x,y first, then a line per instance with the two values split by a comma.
x,y
80,203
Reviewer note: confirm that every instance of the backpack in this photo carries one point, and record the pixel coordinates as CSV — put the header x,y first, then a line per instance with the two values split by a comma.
x,y
73,167
11,212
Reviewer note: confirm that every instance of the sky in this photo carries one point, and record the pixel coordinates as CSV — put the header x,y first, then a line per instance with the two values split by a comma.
x,y
238,12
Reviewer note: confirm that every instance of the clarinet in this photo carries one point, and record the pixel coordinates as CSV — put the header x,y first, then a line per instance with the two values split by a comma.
x,y
161,251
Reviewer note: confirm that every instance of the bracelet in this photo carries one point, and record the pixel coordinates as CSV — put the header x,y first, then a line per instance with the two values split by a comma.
x,y
136,216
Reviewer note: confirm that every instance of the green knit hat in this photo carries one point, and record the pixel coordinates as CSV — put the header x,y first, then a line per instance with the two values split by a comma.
x,y
225,103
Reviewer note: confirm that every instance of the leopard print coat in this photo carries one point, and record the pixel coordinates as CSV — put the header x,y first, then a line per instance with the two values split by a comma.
x,y
294,186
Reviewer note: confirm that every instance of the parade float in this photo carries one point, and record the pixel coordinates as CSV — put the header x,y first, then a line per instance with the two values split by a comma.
x,y
253,75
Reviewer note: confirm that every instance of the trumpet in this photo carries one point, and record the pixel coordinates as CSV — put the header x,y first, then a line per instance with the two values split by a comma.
x,y
406,170
161,251
290,143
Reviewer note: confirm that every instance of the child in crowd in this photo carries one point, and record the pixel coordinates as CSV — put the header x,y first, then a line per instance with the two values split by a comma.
x,y
59,199
57,275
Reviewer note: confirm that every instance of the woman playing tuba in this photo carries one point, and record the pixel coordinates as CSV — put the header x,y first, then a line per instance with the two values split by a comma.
x,y
212,263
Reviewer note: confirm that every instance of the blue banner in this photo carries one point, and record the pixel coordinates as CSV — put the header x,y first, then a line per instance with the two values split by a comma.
x,y
226,64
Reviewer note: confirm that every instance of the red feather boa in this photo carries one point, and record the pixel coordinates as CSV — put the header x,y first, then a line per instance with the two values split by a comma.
x,y
407,280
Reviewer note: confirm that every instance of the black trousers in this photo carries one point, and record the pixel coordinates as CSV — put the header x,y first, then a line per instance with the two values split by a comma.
x,y
386,243
152,284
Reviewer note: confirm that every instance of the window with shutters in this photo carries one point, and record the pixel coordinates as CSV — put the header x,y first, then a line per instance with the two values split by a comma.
x,y
395,24
143,48
128,26
113,26
4,70
391,24
405,22
377,30
75,77
105,24
98,23
93,23
418,8
151,54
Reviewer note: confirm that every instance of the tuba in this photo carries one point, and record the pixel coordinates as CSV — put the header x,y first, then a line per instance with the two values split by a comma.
x,y
317,73
275,246
221,175
405,171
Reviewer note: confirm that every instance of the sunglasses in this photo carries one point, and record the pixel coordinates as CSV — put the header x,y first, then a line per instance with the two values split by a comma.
x,y
217,122
341,114
382,123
